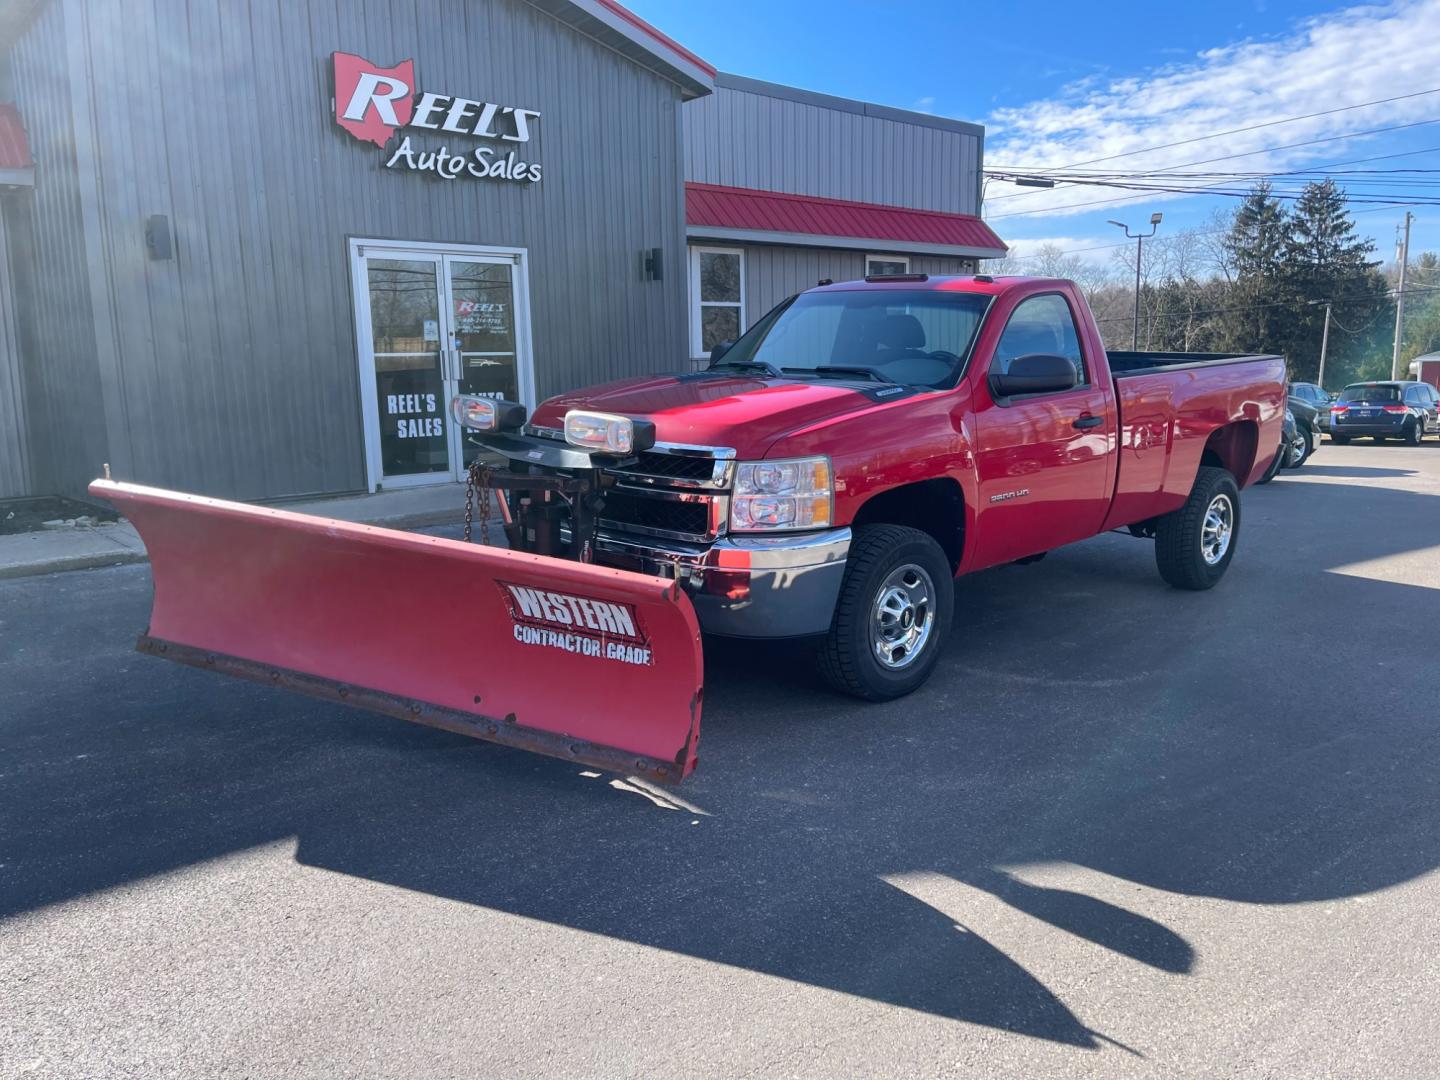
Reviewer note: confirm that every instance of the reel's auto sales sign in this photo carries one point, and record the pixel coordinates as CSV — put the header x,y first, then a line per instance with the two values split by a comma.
x,y
375,103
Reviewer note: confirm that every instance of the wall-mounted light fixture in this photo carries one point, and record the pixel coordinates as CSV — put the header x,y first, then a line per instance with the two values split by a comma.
x,y
157,237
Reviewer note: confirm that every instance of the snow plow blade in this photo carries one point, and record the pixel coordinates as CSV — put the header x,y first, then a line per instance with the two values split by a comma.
x,y
577,661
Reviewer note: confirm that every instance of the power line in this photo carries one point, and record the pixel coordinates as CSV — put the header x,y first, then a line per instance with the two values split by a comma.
x,y
1252,127
1223,157
1352,161
1264,307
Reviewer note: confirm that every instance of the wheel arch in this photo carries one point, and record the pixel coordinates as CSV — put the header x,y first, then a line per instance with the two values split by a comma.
x,y
1233,447
935,506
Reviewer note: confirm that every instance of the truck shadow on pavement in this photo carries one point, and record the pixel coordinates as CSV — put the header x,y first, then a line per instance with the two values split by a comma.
x,y
1202,744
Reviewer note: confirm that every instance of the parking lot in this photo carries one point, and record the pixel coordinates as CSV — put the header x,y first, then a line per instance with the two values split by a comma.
x,y
1124,830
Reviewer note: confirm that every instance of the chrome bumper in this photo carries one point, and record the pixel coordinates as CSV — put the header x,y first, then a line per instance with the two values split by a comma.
x,y
751,586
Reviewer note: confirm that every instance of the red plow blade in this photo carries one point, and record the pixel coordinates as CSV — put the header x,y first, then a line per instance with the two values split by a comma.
x,y
582,662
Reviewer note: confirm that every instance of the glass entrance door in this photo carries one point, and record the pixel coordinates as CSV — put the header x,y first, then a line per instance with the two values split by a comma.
x,y
482,306
434,322
410,361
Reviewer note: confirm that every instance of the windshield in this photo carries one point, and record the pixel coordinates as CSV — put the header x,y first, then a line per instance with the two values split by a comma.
x,y
1370,393
912,337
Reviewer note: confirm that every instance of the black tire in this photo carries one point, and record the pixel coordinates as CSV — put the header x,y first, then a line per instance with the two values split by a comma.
x,y
1414,433
848,659
1274,467
1181,537
1340,440
1292,460
1379,439
1312,443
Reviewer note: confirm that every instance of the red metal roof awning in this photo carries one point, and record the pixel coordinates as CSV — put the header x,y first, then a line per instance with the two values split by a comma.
x,y
731,213
16,164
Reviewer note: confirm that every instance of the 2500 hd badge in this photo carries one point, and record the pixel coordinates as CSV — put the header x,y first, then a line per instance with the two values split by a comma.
x,y
576,624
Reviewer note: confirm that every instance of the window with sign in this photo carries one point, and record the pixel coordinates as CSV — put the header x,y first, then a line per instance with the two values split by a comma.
x,y
884,265
717,297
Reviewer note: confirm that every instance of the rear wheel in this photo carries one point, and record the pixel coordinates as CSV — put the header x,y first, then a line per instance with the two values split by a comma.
x,y
1194,545
1414,433
893,614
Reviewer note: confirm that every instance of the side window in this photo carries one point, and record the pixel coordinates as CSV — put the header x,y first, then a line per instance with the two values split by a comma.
x,y
1413,397
1041,324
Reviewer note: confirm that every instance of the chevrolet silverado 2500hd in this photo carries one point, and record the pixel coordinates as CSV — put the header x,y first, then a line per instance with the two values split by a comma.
x,y
825,475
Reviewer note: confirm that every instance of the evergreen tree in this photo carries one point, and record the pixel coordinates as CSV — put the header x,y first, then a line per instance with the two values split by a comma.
x,y
1262,294
1326,260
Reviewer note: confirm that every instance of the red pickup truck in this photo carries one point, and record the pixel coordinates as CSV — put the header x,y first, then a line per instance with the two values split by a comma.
x,y
865,441
825,475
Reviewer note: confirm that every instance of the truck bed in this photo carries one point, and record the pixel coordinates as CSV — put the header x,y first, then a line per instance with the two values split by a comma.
x,y
1125,364
1169,405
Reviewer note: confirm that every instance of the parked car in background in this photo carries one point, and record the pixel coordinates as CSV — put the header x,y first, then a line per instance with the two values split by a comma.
x,y
1391,409
1317,398
1277,460
1302,433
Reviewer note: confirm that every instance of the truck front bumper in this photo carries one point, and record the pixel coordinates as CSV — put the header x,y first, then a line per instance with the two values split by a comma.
x,y
745,586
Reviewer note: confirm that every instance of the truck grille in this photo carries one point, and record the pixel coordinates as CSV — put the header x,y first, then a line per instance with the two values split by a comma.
x,y
680,492
684,519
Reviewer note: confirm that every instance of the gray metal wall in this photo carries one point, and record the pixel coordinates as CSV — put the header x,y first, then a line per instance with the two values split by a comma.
x,y
60,375
773,273
235,362
14,451
755,135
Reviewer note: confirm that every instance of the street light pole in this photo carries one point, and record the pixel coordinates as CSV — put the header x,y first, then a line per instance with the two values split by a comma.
x,y
1139,239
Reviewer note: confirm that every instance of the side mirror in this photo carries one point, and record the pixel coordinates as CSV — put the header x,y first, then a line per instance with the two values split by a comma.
x,y
1035,373
719,351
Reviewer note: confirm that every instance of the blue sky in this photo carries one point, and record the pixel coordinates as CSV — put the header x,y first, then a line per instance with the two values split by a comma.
x,y
1056,84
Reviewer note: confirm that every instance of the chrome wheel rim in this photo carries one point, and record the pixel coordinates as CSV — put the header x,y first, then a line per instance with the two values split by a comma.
x,y
1298,446
903,617
1218,529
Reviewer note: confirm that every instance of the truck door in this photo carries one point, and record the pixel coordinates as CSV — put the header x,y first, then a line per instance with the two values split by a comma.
x,y
1043,460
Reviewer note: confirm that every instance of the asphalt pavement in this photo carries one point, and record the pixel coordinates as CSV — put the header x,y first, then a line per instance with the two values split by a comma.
x,y
1124,831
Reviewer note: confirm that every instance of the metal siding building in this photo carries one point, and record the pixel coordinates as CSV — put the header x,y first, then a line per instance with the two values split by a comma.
x,y
233,274
876,189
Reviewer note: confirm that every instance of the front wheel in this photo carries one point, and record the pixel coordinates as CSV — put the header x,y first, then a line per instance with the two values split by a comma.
x,y
893,614
1194,545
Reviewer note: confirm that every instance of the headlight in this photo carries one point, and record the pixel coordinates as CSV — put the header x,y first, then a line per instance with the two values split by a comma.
x,y
776,495
600,431
487,414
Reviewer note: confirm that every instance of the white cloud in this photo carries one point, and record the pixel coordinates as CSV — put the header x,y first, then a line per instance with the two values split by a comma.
x,y
1345,57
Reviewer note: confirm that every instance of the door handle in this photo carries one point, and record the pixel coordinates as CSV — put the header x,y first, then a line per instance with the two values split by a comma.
x,y
1088,421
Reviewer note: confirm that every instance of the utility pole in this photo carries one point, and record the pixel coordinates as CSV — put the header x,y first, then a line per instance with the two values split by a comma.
x,y
1139,239
1400,296
1324,342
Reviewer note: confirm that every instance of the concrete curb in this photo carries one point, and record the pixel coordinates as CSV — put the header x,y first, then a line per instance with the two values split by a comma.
x,y
10,571
120,545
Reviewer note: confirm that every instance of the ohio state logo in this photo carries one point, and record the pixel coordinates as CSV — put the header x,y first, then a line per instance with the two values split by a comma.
x,y
372,103
375,103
